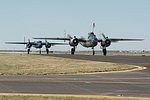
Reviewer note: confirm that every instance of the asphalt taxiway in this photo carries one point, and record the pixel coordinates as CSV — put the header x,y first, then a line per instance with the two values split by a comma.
x,y
136,83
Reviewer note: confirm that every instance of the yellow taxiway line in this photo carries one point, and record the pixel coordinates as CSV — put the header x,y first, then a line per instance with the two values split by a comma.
x,y
68,95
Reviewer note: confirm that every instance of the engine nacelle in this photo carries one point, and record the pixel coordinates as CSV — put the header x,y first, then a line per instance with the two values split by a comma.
x,y
106,43
74,42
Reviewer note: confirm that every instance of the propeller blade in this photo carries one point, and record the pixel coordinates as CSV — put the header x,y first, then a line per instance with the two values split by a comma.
x,y
26,47
24,39
29,40
69,36
104,36
46,41
93,27
65,34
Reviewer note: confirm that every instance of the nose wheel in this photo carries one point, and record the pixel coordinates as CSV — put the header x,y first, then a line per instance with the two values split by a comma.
x,y
93,51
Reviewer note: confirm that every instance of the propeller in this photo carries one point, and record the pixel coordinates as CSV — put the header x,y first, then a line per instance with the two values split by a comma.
x,y
67,35
47,44
24,39
93,27
28,44
104,36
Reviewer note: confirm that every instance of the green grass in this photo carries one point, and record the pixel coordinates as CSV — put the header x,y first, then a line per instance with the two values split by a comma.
x,y
21,64
63,97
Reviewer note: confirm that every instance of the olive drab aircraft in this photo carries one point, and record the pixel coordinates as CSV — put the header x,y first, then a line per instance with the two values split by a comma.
x,y
37,45
90,42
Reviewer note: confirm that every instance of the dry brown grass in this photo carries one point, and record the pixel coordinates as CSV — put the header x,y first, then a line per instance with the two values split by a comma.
x,y
21,64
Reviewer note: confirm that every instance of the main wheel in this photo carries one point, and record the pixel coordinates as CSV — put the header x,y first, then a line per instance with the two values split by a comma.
x,y
93,52
72,51
47,51
104,52
28,51
40,51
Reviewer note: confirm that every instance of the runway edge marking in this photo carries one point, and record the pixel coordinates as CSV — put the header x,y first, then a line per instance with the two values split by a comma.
x,y
138,68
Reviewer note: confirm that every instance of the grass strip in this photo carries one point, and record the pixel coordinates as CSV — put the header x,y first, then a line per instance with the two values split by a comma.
x,y
22,64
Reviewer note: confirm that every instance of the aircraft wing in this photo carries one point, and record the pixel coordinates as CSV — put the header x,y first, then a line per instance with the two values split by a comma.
x,y
117,39
20,43
120,39
59,43
16,42
55,43
80,39
53,38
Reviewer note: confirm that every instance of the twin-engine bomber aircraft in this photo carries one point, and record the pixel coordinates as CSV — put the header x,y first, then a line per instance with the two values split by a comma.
x,y
37,44
92,41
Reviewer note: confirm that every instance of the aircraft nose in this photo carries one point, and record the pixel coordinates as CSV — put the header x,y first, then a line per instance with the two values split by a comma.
x,y
94,41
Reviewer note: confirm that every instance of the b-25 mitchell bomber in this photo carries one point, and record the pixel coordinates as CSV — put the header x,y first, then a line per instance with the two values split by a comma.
x,y
91,41
37,45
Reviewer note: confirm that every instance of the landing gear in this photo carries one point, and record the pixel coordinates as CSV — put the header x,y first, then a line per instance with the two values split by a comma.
x,y
104,52
40,51
47,51
28,51
73,50
93,51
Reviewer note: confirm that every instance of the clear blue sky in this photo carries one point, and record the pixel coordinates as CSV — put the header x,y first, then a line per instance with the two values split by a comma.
x,y
49,18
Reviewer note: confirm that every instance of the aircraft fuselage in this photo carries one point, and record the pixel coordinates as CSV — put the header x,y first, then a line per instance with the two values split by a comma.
x,y
38,44
91,42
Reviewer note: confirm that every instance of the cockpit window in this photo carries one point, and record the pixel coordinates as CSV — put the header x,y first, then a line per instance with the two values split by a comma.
x,y
91,35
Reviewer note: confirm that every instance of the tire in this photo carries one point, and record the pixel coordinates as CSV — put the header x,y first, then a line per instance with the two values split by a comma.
x,y
104,52
47,51
72,51
28,51
40,51
93,52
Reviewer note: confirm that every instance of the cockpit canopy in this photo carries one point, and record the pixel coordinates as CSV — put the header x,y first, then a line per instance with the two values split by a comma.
x,y
91,35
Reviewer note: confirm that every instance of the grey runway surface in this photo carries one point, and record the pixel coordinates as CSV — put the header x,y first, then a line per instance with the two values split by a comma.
x,y
136,83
